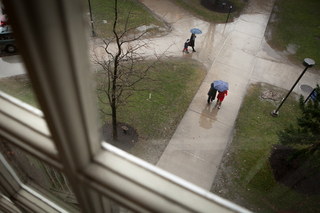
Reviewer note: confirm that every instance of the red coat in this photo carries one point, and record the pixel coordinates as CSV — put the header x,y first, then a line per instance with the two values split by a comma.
x,y
221,95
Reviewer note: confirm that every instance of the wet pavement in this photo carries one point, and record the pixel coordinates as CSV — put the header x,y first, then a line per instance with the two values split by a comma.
x,y
235,52
11,65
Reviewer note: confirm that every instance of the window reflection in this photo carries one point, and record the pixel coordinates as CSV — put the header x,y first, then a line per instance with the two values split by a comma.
x,y
37,174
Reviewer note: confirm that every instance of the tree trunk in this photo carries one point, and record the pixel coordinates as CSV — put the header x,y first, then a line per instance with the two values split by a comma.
x,y
114,120
115,73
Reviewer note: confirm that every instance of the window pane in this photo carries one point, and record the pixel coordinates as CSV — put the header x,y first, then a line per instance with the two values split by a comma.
x,y
14,79
38,175
252,168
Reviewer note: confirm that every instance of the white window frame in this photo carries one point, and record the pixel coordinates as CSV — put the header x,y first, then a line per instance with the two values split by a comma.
x,y
51,38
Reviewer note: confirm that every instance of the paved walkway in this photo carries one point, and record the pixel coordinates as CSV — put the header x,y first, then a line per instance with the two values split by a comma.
x,y
235,52
11,65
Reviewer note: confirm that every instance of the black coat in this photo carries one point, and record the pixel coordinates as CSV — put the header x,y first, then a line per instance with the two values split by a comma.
x,y
192,40
212,92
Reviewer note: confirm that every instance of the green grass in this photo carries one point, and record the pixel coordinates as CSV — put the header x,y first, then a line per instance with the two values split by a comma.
x,y
245,176
157,118
298,23
177,81
104,10
195,8
20,88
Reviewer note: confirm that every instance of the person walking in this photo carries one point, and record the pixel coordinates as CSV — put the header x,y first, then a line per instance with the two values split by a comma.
x,y
192,41
220,97
211,93
186,44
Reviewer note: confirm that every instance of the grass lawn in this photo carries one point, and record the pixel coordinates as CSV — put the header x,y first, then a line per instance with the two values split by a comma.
x,y
296,24
245,176
195,8
103,15
19,87
155,113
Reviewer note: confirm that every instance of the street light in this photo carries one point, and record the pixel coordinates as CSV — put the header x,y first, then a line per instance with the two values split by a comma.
x,y
312,94
308,63
93,33
229,13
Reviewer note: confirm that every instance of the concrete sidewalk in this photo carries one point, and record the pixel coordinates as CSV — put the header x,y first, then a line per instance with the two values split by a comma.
x,y
235,52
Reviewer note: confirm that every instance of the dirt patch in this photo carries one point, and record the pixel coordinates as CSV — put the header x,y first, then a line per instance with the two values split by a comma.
x,y
222,7
126,138
144,148
294,174
21,78
268,94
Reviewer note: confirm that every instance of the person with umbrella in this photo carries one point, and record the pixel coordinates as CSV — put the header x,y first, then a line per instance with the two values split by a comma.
x,y
222,88
220,97
192,41
194,31
211,93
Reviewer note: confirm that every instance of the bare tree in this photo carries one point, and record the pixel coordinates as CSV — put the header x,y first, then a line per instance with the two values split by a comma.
x,y
122,73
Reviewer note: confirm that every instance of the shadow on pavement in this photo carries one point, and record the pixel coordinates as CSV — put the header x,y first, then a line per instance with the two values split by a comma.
x,y
4,53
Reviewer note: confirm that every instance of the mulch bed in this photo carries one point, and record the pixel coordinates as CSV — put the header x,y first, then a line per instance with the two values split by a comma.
x,y
222,7
126,139
294,174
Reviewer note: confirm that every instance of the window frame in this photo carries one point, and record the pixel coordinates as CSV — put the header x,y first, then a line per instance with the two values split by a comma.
x,y
56,56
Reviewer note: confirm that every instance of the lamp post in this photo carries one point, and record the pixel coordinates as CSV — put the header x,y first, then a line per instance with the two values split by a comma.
x,y
312,95
229,13
93,33
308,63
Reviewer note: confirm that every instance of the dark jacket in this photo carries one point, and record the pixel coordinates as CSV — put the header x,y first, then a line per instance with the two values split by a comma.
x,y
212,92
186,44
192,40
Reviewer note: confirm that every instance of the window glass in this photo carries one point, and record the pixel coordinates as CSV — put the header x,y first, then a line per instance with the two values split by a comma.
x,y
259,167
14,79
38,175
151,95
249,157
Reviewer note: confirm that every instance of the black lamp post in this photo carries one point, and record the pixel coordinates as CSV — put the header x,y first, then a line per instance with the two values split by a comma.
x,y
312,95
93,33
308,63
229,13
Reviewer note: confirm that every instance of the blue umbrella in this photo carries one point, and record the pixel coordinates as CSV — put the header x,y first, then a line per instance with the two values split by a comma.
x,y
196,31
221,86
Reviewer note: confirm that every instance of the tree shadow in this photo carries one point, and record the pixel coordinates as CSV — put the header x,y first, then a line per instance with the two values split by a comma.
x,y
126,138
222,7
295,174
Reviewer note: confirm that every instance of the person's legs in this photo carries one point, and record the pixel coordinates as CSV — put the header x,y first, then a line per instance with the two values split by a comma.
x,y
209,99
219,104
193,49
